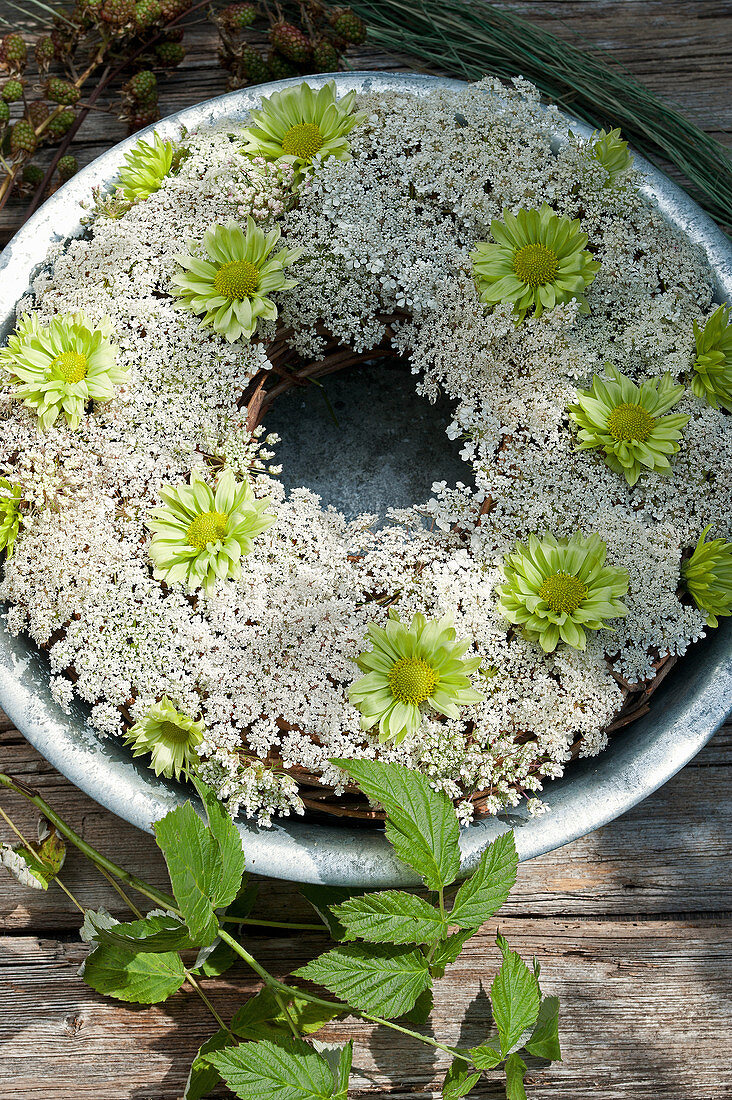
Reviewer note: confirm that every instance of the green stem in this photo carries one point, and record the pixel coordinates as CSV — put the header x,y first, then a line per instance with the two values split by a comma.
x,y
29,847
199,990
273,924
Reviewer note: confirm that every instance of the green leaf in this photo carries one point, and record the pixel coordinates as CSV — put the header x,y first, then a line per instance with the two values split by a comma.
x,y
195,868
339,1058
227,837
262,1017
391,916
287,1070
515,1070
487,1055
154,933
142,978
419,1013
37,865
203,1078
215,959
486,890
243,903
447,952
459,1080
515,997
322,898
380,979
421,823
544,1041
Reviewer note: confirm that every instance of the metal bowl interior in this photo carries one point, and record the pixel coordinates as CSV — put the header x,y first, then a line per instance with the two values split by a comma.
x,y
686,710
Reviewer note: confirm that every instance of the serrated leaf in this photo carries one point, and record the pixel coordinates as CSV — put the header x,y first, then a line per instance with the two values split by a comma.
x,y
486,890
203,1077
419,1013
36,866
448,951
339,1057
376,978
243,903
544,1041
195,868
287,1070
515,997
391,916
321,898
229,842
155,933
421,823
143,978
262,1017
216,959
486,1055
93,920
515,1071
459,1080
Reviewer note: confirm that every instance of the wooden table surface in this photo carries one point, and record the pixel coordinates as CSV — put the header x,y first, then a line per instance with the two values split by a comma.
x,y
631,924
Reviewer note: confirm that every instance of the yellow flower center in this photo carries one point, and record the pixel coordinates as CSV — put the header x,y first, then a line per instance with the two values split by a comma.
x,y
412,680
171,731
630,423
536,265
206,528
563,592
237,280
70,366
303,141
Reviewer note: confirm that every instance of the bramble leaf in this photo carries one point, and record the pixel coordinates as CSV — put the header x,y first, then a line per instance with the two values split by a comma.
x,y
448,951
459,1080
419,1013
226,836
156,932
322,898
140,977
486,890
262,1017
421,822
287,1070
38,865
515,997
375,978
203,1077
515,1070
195,867
391,916
486,1056
340,1058
544,1041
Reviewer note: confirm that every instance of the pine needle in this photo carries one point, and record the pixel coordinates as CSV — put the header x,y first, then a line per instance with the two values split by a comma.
x,y
470,40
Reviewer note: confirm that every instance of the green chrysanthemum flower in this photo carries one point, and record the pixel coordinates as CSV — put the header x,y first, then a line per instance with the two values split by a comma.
x,y
171,739
299,124
612,152
411,667
231,287
707,577
627,421
558,588
60,367
145,169
11,497
713,364
200,535
538,261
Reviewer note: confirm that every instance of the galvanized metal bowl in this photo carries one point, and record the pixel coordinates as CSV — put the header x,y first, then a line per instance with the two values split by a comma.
x,y
685,712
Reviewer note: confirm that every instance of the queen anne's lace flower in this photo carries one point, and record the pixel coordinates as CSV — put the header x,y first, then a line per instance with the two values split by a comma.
x,y
713,364
10,500
169,737
299,124
627,421
231,286
410,667
60,367
612,152
707,576
145,169
558,588
538,260
200,535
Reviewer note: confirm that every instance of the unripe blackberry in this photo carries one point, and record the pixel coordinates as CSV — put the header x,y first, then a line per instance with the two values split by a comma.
x,y
62,92
142,115
67,167
32,175
174,34
147,12
4,113
13,52
237,16
59,124
350,27
326,58
44,52
22,138
279,67
170,54
63,39
290,41
173,8
12,91
117,13
37,112
252,66
142,87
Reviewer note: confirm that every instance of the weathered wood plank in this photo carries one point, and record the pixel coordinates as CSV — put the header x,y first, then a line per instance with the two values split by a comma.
x,y
626,991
